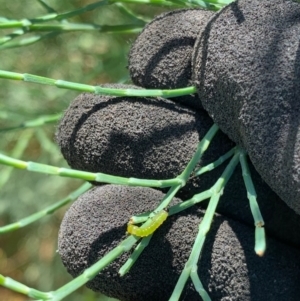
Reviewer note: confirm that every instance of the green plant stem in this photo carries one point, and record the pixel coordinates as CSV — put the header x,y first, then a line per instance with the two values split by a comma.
x,y
47,7
221,2
73,285
27,41
92,271
214,164
17,152
95,89
124,28
6,23
47,144
37,122
57,29
84,175
129,13
23,289
204,226
48,210
135,255
260,238
198,284
202,147
9,23
140,218
11,36
190,269
211,4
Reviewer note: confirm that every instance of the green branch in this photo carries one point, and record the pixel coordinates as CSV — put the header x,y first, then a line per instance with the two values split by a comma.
x,y
84,175
191,266
96,89
260,237
37,122
48,210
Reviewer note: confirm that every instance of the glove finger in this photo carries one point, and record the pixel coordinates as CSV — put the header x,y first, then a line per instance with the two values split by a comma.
x,y
246,67
229,269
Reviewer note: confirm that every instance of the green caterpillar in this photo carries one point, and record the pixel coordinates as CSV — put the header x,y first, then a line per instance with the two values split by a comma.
x,y
157,220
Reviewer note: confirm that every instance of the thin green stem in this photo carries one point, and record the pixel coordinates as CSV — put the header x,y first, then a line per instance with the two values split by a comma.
x,y
17,152
23,289
140,218
196,199
124,28
198,285
73,285
183,177
28,41
53,16
214,164
128,12
202,147
211,4
56,29
260,238
47,144
92,271
48,210
6,23
11,36
204,226
84,175
37,122
47,7
226,175
135,255
96,89
221,2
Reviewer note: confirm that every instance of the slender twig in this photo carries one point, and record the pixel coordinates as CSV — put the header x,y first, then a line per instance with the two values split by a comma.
x,y
7,23
47,7
128,12
124,28
260,237
37,122
73,285
10,23
135,255
47,144
26,41
57,29
214,164
17,152
192,263
84,175
95,89
48,210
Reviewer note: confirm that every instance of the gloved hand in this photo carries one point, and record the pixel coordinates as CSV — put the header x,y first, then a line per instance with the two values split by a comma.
x,y
155,138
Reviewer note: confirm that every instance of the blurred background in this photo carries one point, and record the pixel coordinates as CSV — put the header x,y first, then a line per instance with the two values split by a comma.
x,y
29,255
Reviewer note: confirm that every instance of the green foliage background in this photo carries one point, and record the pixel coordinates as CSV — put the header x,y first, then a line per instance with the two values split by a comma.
x,y
29,255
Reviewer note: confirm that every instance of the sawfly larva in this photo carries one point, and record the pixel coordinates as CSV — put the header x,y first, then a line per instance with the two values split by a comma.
x,y
157,220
